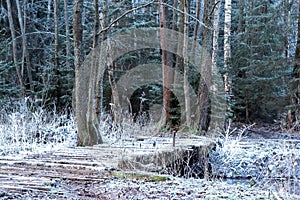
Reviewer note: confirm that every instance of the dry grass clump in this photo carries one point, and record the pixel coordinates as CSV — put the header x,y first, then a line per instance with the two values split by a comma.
x,y
27,127
272,164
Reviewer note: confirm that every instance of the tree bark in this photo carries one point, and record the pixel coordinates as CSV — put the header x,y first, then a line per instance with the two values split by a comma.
x,y
85,81
166,76
227,54
56,53
203,94
215,35
295,86
195,34
80,78
92,119
115,106
186,67
67,28
99,81
174,17
25,55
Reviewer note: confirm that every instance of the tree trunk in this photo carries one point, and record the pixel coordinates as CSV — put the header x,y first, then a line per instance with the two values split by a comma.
x,y
216,118
92,119
67,28
203,94
25,55
81,80
179,60
215,35
99,81
166,76
85,81
195,35
174,17
14,46
49,10
186,69
295,86
56,53
115,106
227,54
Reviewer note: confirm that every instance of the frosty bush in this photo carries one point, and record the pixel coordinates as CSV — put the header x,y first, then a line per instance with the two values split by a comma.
x,y
27,127
266,163
128,128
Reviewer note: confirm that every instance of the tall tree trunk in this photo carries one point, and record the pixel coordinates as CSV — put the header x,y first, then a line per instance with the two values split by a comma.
x,y
195,34
92,119
166,76
203,94
56,54
295,99
177,85
179,60
49,10
14,46
115,106
186,68
227,54
215,117
67,28
244,30
25,55
99,81
85,81
81,85
175,15
215,35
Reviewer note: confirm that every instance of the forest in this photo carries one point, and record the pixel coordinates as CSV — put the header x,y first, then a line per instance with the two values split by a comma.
x,y
87,71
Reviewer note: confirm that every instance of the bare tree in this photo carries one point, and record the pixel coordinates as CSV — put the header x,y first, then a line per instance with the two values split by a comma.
x,y
227,52
67,28
92,119
203,94
215,34
186,67
295,99
167,80
99,81
195,34
56,53
14,45
25,54
81,81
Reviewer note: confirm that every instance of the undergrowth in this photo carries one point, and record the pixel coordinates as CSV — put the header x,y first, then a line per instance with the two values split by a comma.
x,y
128,128
269,164
28,127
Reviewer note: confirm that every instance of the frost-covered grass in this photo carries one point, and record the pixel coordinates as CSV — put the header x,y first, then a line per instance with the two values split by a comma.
x,y
26,127
268,164
127,128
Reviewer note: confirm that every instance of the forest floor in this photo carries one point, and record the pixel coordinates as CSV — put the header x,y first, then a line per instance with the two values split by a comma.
x,y
262,164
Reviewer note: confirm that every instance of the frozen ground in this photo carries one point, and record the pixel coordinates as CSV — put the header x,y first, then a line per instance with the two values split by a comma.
x,y
111,187
249,163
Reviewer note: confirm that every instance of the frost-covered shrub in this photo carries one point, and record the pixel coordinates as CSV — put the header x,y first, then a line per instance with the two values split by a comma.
x,y
128,127
266,163
25,127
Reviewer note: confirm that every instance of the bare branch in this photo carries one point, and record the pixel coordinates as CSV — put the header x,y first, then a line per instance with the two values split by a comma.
x,y
143,6
123,15
188,15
